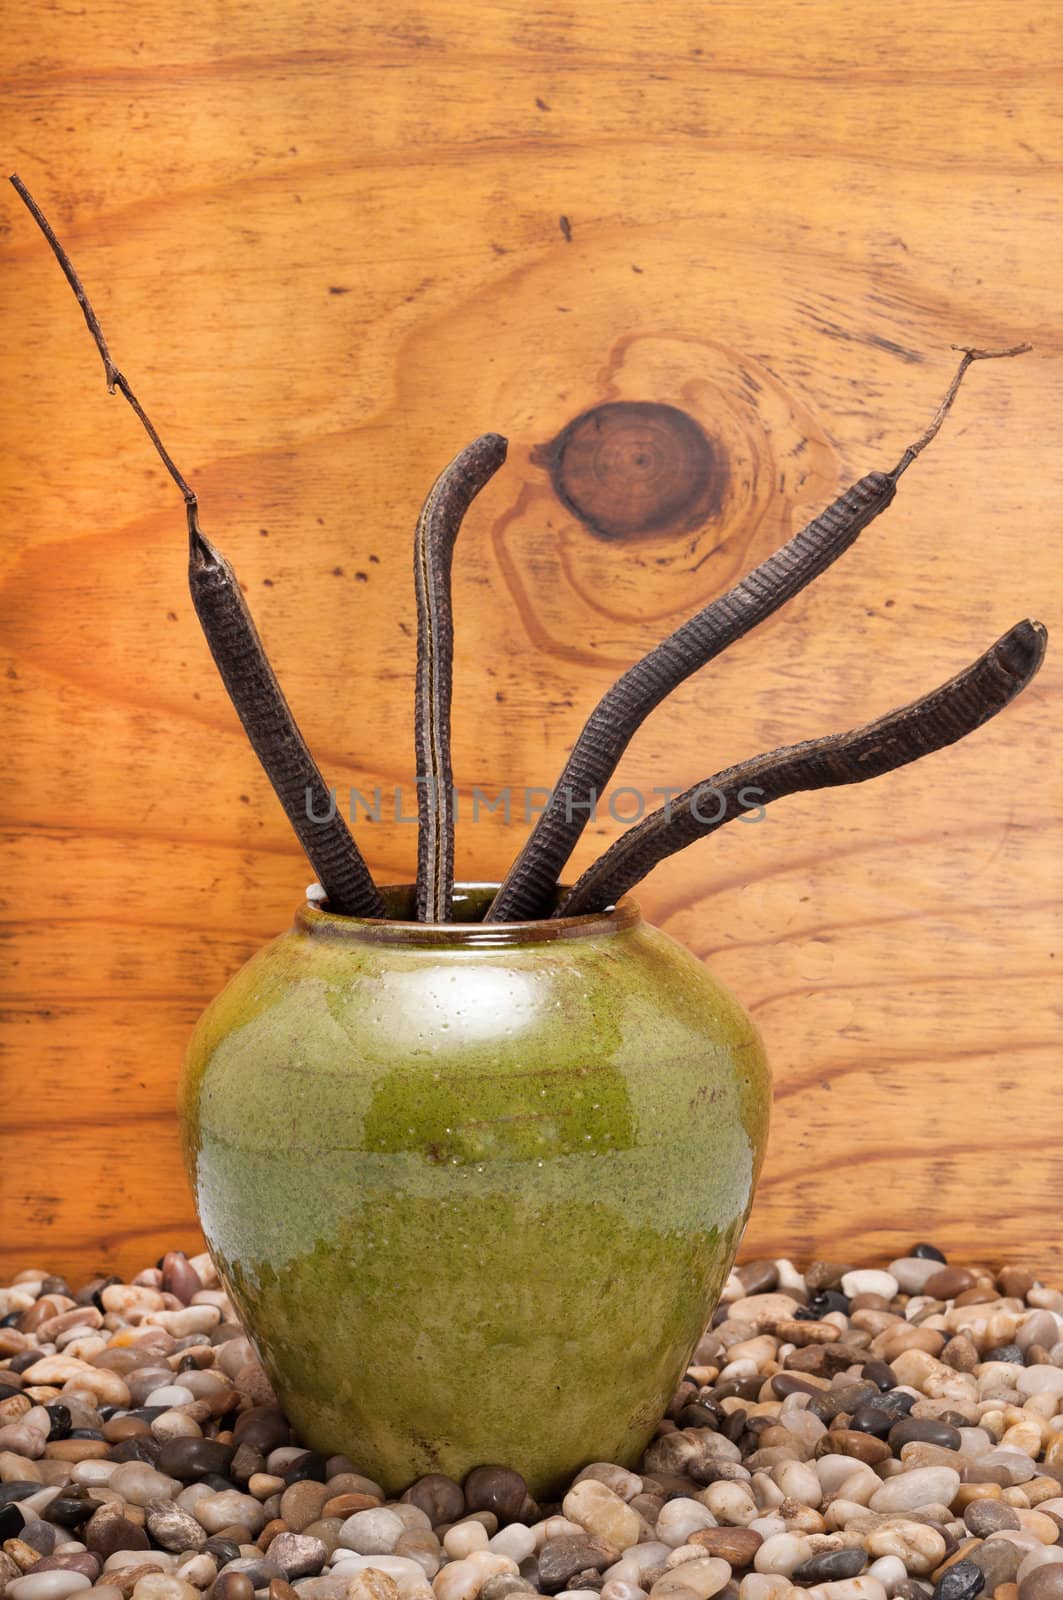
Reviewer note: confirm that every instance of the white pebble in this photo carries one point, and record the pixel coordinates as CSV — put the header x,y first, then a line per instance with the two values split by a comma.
x,y
911,1272
678,1520
516,1541
170,1394
910,1491
1039,1379
374,1532
782,1552
868,1280
889,1570
459,1541
217,1511
55,1585
702,1579
865,1588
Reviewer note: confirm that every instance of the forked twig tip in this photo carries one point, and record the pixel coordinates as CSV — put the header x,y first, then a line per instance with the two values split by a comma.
x,y
970,354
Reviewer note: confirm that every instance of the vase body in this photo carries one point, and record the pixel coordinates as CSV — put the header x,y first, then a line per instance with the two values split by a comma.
x,y
474,1188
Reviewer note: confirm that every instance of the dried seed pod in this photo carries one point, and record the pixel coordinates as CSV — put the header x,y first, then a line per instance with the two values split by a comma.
x,y
937,719
437,530
530,884
243,663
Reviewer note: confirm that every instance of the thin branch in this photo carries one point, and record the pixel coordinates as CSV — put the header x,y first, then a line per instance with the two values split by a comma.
x,y
243,664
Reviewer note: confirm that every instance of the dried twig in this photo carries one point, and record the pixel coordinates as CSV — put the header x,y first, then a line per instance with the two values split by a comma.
x,y
530,884
242,661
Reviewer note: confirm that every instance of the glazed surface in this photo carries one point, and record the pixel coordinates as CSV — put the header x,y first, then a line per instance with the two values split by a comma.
x,y
475,1203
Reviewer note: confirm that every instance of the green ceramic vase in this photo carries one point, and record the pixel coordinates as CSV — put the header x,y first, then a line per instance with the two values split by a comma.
x,y
474,1187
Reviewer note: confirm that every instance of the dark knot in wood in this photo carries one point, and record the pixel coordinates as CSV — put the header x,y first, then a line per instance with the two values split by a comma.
x,y
633,467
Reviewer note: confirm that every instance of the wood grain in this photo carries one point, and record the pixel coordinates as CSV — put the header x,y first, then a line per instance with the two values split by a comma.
x,y
327,246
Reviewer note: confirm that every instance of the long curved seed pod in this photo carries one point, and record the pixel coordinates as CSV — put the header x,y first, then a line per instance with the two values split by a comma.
x,y
437,530
938,719
529,886
242,661
274,733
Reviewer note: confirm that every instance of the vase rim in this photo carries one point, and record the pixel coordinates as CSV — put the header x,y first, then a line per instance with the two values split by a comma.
x,y
466,931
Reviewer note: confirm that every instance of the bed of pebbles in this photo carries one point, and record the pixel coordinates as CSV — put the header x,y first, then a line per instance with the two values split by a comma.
x,y
841,1434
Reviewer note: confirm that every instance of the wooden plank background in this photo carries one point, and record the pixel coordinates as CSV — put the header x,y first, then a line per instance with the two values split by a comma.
x,y
326,242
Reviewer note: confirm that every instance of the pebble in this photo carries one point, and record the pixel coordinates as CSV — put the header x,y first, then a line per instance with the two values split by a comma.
x,y
869,1281
298,1555
47,1585
1046,1583
371,1533
846,1433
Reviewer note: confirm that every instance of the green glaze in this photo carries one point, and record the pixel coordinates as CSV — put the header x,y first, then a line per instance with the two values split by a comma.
x,y
474,1187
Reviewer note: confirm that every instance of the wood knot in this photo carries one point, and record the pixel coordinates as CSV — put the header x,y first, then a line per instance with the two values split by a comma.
x,y
636,467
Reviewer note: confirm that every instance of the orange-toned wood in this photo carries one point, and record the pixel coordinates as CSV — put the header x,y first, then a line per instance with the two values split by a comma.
x,y
327,245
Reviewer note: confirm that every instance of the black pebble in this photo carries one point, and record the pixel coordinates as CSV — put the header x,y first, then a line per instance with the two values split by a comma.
x,y
820,1304
215,1481
69,1508
923,1430
85,1433
141,1447
869,1419
699,1415
7,1390
10,1492
929,1252
11,1320
105,1283
223,1550
879,1373
1005,1352
24,1359
309,1466
897,1403
11,1521
830,1565
960,1582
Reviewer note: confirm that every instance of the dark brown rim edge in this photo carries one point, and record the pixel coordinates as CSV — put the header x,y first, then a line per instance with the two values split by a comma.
x,y
319,922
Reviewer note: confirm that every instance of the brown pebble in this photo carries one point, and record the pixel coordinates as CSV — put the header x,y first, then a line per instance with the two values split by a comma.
x,y
948,1283
803,1333
271,1530
111,1529
784,1383
826,1274
22,1554
851,1442
115,1429
1043,1583
736,1545
758,1277
127,1578
281,1589
497,1489
82,1561
968,1493
1015,1282
77,1450
961,1354
978,1296
1006,1591
345,1505
961,1552
869,1302
823,1359
303,1503
232,1586
984,1517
